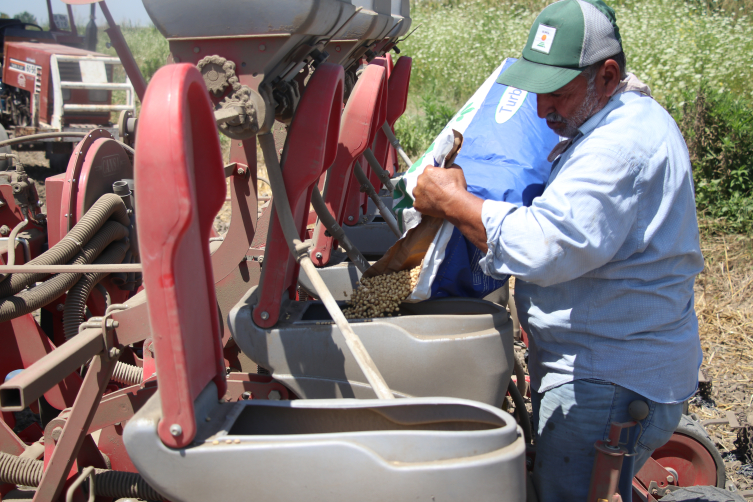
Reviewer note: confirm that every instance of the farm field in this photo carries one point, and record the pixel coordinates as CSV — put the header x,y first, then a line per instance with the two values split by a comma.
x,y
697,58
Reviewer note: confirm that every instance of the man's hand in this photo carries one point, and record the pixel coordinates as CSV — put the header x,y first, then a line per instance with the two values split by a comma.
x,y
437,188
444,193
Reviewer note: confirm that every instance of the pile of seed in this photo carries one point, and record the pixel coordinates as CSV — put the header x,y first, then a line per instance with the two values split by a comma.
x,y
380,295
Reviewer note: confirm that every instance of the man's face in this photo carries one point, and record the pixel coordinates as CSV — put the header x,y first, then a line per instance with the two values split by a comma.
x,y
567,108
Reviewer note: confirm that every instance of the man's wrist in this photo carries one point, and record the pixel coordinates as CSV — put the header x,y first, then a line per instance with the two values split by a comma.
x,y
464,211
460,203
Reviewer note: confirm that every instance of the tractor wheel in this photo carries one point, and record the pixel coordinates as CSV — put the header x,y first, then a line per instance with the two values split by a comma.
x,y
4,164
703,494
693,456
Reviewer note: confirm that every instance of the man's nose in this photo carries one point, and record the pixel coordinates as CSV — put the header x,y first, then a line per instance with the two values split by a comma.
x,y
543,105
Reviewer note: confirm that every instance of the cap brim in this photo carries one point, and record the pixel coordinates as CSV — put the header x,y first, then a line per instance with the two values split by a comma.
x,y
537,78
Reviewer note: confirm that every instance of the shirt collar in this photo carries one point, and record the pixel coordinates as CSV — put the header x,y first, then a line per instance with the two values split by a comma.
x,y
590,124
630,83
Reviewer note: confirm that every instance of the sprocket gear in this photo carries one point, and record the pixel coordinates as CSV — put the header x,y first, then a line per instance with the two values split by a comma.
x,y
246,124
218,73
248,105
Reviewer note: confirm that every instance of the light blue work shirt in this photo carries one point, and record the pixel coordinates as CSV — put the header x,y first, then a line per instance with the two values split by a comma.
x,y
606,257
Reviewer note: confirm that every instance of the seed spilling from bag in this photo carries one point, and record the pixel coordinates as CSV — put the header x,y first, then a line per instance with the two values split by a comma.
x,y
380,295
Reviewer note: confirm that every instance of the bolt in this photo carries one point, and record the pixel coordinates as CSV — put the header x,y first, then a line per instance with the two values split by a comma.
x,y
114,352
246,395
240,171
670,479
56,432
208,419
350,218
274,395
318,256
262,47
176,430
60,307
337,49
4,230
265,315
196,49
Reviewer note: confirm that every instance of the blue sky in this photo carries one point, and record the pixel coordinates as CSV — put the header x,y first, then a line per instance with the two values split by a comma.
x,y
122,10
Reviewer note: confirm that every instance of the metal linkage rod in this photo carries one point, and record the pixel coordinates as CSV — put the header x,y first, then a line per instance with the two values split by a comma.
x,y
384,176
395,143
25,388
48,135
337,232
43,135
367,187
300,252
124,53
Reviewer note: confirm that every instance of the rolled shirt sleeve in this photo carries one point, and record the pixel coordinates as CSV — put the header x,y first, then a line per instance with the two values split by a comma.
x,y
577,225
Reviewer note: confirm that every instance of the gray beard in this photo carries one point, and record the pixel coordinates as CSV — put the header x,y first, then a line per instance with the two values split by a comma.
x,y
587,109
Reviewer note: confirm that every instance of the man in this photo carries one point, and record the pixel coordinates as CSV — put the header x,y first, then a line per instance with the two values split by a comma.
x,y
605,258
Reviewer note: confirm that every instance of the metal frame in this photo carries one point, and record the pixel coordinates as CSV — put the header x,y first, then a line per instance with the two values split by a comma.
x,y
59,108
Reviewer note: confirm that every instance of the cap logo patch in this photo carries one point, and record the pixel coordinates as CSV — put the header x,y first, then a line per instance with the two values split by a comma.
x,y
544,38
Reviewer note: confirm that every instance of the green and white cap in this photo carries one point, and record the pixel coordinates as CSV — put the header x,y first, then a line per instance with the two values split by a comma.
x,y
566,37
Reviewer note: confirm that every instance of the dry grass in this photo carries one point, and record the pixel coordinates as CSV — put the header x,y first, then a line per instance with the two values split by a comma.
x,y
724,307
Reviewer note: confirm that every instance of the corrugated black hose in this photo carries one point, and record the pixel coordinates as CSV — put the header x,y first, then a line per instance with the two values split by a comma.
x,y
39,296
109,206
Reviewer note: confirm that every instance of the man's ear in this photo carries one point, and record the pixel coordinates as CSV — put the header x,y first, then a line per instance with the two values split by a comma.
x,y
608,78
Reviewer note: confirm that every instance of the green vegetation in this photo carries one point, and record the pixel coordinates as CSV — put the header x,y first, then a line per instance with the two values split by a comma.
x,y
147,44
695,56
718,129
26,17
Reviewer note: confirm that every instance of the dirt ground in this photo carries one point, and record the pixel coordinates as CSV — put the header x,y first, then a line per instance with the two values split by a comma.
x,y
724,307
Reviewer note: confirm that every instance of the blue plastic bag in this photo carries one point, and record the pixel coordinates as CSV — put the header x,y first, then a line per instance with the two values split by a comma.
x,y
504,158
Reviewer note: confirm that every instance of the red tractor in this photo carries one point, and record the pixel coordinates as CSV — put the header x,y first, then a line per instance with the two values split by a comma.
x,y
50,83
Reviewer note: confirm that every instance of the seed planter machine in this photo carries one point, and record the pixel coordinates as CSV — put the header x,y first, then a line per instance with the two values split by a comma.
x,y
140,370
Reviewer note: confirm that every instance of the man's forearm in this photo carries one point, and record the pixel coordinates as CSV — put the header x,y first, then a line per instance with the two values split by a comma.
x,y
464,211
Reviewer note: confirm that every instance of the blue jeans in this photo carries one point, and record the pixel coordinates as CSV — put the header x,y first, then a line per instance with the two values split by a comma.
x,y
569,419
